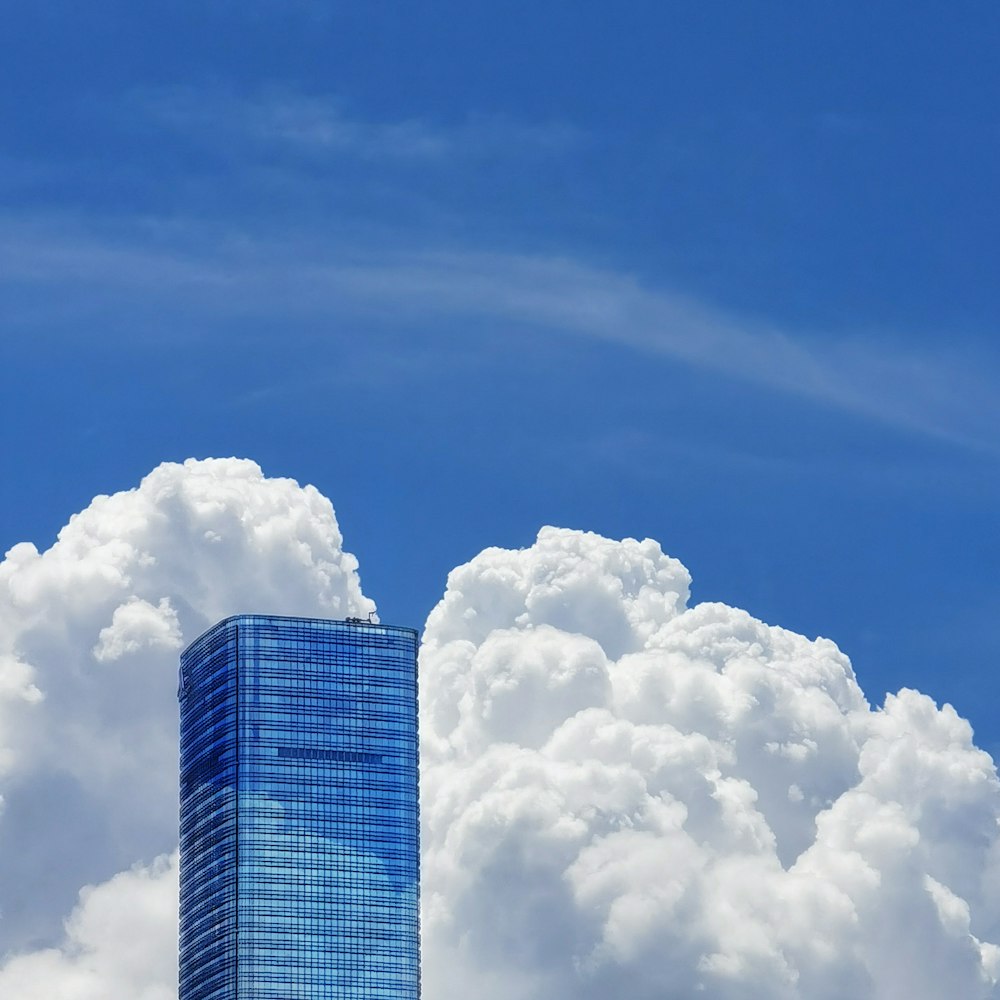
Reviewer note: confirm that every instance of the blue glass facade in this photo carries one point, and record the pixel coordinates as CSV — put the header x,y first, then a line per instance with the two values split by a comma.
x,y
298,809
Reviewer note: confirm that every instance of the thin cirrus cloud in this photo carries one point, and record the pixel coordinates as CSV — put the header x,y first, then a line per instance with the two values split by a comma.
x,y
622,794
126,270
322,126
164,275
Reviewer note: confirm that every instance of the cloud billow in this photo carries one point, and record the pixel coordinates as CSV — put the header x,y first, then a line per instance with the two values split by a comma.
x,y
626,796
621,795
90,632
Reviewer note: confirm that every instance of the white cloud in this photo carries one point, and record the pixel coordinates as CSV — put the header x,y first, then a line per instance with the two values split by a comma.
x,y
137,625
89,636
623,796
119,944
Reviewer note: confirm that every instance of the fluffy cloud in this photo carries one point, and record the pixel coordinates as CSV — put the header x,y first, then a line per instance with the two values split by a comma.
x,y
137,624
622,795
626,796
119,944
89,635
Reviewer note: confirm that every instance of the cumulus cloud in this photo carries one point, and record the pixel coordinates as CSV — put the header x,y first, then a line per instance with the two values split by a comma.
x,y
622,795
137,624
119,943
89,635
625,796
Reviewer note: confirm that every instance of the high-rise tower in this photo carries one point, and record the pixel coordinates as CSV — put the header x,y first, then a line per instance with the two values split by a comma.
x,y
298,812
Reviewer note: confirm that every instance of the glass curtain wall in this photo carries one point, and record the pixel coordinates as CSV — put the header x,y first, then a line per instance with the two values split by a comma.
x,y
299,843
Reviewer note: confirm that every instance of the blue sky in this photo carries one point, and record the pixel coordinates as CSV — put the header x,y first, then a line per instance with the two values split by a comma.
x,y
720,274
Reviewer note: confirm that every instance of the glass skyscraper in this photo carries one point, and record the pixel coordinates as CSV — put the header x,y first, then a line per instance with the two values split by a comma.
x,y
299,871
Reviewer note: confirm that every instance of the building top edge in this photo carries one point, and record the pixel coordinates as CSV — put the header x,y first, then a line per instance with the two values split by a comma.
x,y
258,618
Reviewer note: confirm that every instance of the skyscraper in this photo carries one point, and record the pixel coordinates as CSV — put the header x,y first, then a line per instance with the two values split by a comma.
x,y
298,812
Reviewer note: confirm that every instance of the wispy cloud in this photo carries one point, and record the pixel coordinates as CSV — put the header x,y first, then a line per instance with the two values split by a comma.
x,y
938,393
934,393
323,125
